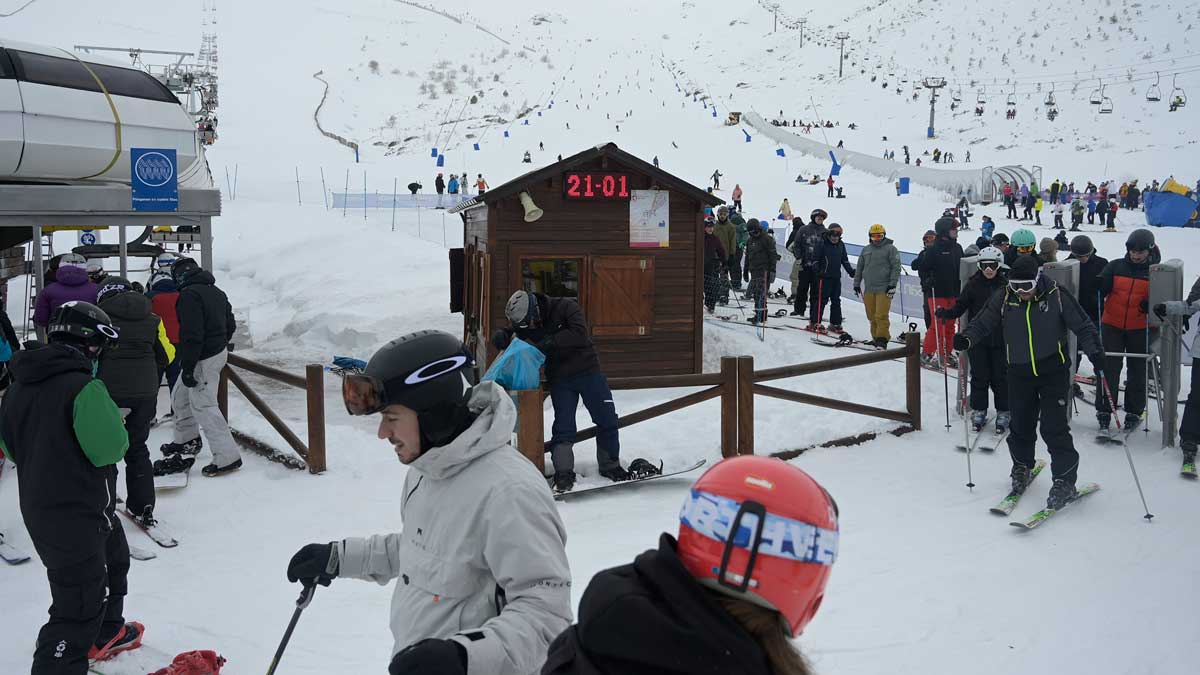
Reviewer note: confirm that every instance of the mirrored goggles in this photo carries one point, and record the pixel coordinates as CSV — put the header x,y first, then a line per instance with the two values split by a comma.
x,y
363,394
989,265
1022,285
877,237
1025,250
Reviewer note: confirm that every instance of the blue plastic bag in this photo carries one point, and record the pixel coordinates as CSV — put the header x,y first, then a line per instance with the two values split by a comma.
x,y
5,350
518,367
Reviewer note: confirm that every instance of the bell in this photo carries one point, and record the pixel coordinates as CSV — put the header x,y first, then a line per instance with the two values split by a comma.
x,y
532,212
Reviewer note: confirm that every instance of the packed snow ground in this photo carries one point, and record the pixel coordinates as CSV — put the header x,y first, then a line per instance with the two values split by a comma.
x,y
928,581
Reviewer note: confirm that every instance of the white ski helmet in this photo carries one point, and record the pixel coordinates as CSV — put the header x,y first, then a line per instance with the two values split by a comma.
x,y
992,254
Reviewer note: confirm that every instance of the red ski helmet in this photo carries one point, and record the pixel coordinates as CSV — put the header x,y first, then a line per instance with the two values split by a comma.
x,y
762,530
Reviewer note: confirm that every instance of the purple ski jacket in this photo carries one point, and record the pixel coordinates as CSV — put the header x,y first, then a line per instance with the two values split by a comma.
x,y
72,284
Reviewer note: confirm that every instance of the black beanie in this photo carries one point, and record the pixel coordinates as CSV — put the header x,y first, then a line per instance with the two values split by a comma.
x,y
1024,268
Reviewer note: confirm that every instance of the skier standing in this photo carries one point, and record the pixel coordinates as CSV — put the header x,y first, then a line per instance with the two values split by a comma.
x,y
714,264
804,249
741,236
988,362
481,185
1189,426
737,197
940,264
1077,211
70,283
439,184
130,370
163,295
1102,210
1057,210
829,184
727,233
831,260
761,258
1125,285
206,325
927,241
715,600
558,328
875,279
1033,311
61,428
484,580
716,179
452,186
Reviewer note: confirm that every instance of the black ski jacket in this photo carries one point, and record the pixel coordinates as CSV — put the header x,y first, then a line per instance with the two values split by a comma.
x,y
831,259
804,245
761,255
564,338
130,368
206,323
65,434
974,297
1090,285
653,618
940,265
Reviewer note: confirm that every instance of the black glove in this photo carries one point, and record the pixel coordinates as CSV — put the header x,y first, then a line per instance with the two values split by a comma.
x,y
313,563
891,291
746,276
858,291
1097,360
1144,307
189,378
941,312
1160,310
961,342
501,339
430,657
228,346
770,279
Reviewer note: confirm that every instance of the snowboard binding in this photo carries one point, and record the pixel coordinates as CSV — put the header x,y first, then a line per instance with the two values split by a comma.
x,y
640,468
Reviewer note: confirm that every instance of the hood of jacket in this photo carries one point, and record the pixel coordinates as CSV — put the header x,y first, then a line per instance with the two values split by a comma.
x,y
492,429
130,306
71,276
200,276
44,362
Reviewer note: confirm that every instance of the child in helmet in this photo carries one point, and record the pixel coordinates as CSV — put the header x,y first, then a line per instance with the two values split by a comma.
x,y
1034,315
65,434
989,367
717,599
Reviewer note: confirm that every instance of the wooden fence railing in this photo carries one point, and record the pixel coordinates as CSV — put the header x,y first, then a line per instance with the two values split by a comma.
x,y
736,384
313,383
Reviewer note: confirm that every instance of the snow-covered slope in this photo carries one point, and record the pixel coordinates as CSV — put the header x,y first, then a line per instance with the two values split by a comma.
x,y
928,581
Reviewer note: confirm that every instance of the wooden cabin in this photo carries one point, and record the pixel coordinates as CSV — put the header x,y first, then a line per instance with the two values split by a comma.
x,y
603,226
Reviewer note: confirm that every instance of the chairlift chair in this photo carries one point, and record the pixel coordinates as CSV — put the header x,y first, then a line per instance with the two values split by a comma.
x,y
1106,106
1178,96
1050,100
1012,96
1154,93
957,96
979,99
1097,95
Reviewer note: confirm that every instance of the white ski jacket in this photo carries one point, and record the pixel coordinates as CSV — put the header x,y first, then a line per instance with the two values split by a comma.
x,y
481,559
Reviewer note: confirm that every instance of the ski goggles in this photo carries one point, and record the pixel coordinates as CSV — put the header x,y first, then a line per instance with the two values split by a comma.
x,y
727,521
1022,285
363,394
1026,250
989,265
877,237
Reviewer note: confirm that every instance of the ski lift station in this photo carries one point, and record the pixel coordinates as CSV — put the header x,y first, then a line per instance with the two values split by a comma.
x,y
623,237
69,129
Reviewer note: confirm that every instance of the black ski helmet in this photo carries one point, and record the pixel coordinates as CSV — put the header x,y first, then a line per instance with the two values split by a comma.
x,y
427,372
1140,239
817,213
183,269
999,238
943,226
1081,245
83,324
113,286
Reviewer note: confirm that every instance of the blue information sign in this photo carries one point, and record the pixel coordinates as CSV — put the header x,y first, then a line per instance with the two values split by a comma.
x,y
154,179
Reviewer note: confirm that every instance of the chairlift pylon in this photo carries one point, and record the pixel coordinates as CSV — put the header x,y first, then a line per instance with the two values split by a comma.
x,y
1154,93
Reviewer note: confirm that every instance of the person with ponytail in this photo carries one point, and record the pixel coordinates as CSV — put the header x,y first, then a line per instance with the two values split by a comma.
x,y
757,541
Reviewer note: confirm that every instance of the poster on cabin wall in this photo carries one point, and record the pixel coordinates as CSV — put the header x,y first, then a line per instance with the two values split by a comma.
x,y
649,218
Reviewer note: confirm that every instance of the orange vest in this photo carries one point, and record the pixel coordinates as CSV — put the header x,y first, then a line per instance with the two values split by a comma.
x,y
1122,308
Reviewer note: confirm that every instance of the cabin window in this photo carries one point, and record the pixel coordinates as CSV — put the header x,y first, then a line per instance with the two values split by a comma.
x,y
6,69
556,277
69,73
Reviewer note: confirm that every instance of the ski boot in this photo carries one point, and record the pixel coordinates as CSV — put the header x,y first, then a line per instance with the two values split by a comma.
x,y
191,447
1003,419
814,327
128,637
1021,478
212,470
795,312
1103,419
564,481
1132,420
836,328
173,464
615,473
1061,494
978,419
951,361
929,360
146,519
640,468
881,342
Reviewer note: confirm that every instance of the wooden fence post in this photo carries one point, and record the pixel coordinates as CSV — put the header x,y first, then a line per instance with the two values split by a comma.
x,y
745,394
222,393
912,378
530,427
729,406
314,381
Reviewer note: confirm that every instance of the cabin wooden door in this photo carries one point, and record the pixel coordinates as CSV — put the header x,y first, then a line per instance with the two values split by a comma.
x,y
621,296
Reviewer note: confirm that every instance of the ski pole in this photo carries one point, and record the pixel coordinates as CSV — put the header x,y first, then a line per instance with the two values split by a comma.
x,y
306,595
937,337
962,396
1124,444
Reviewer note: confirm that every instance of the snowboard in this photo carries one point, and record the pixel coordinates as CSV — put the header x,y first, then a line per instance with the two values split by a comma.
x,y
11,554
157,532
171,481
560,496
